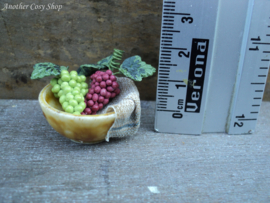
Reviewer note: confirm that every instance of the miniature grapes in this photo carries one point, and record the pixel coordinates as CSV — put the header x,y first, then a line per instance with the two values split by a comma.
x,y
104,86
70,89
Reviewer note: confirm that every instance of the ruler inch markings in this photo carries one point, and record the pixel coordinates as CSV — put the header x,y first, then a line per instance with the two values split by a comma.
x,y
257,83
261,43
244,94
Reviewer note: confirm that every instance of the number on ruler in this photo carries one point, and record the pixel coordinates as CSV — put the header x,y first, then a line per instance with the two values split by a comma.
x,y
179,106
181,53
255,39
237,124
254,49
187,19
177,115
241,123
243,116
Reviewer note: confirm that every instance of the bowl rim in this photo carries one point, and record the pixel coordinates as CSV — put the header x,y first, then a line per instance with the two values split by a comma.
x,y
42,100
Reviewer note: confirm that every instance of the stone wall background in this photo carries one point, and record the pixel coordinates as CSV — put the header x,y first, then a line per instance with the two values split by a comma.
x,y
83,31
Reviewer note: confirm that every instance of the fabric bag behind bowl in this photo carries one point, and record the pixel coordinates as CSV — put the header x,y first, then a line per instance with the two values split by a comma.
x,y
127,108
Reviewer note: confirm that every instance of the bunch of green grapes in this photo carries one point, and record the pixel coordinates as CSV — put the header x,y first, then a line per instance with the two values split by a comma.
x,y
70,89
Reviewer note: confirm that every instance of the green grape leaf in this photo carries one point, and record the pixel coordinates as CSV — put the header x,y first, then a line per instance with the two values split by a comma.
x,y
136,69
106,61
42,70
89,69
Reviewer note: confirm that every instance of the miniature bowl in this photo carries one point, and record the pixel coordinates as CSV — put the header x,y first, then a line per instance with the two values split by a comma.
x,y
86,129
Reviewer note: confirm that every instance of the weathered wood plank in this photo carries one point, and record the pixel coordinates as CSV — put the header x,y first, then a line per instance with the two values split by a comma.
x,y
38,165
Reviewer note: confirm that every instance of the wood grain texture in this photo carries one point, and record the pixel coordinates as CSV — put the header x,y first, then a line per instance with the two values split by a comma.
x,y
39,165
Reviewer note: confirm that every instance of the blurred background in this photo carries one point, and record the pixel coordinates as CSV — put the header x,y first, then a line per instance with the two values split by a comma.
x,y
81,32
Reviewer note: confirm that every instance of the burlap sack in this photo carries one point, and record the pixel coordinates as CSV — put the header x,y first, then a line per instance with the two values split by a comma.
x,y
127,108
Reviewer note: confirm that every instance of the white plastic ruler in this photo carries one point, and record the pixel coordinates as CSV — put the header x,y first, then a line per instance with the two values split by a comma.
x,y
214,61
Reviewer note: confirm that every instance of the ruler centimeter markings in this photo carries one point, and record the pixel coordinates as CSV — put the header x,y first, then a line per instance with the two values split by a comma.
x,y
166,53
191,33
181,49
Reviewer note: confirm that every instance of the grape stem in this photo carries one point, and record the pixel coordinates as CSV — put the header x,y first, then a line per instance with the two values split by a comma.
x,y
116,56
117,73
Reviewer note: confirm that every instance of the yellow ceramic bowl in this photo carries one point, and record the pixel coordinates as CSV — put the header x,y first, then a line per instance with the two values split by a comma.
x,y
88,129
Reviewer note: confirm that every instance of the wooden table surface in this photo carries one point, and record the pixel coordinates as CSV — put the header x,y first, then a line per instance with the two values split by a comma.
x,y
39,165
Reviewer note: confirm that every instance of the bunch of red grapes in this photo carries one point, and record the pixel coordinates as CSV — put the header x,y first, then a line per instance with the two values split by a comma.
x,y
104,87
